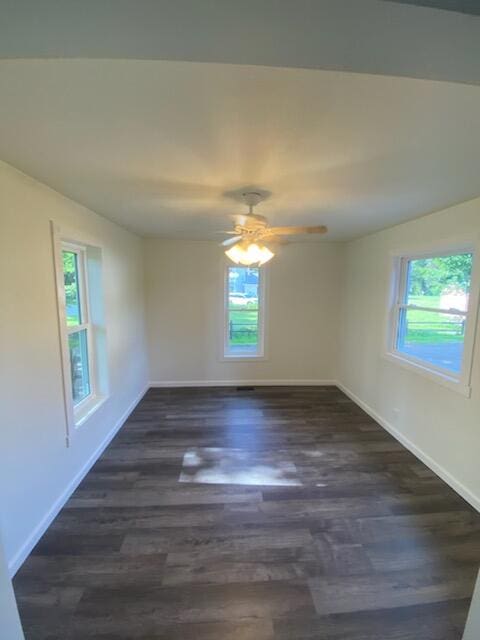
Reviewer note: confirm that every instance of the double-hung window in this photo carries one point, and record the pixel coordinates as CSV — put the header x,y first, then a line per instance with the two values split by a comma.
x,y
82,328
244,312
434,314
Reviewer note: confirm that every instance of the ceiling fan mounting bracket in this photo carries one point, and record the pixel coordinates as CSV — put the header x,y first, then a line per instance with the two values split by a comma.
x,y
252,198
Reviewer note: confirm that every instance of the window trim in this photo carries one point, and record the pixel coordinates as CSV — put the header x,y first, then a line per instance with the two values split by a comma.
x,y
445,377
75,415
262,304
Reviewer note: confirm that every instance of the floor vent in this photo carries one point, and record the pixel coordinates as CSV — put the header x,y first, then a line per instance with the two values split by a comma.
x,y
245,388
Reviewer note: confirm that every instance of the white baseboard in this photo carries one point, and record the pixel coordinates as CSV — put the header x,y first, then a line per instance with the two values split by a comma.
x,y
240,383
437,468
21,555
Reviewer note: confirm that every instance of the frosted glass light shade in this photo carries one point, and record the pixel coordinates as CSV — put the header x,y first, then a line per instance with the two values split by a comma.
x,y
249,253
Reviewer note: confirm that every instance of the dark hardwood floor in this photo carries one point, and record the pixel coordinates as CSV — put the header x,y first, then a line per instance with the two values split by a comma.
x,y
273,513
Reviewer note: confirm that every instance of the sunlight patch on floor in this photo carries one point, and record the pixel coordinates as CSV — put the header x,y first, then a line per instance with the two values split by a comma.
x,y
215,465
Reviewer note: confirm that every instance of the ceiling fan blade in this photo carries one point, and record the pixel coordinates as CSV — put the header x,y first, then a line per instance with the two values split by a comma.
x,y
290,231
275,240
249,219
229,241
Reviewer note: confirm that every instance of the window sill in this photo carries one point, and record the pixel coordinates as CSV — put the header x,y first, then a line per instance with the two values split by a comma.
x,y
431,374
238,357
86,410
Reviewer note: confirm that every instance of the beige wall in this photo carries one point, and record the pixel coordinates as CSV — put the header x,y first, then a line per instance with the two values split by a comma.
x,y
436,422
37,471
184,293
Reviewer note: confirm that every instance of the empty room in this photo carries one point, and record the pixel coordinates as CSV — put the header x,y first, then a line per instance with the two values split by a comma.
x,y
240,344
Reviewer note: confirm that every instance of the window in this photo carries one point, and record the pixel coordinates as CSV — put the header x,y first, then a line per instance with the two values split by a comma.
x,y
78,322
82,328
433,317
244,312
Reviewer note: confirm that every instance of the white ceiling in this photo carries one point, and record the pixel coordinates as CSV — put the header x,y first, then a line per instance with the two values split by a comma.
x,y
155,145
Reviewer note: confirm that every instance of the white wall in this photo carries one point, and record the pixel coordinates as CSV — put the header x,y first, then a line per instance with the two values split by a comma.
x,y
472,628
9,619
184,294
37,471
436,422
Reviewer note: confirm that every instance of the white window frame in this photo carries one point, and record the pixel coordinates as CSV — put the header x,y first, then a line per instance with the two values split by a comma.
x,y
76,414
226,355
459,382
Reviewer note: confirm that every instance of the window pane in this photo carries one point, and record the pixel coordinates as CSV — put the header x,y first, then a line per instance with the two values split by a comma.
x,y
72,289
434,337
442,282
242,336
77,343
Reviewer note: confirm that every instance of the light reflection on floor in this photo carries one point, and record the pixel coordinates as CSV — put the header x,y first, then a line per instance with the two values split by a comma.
x,y
213,465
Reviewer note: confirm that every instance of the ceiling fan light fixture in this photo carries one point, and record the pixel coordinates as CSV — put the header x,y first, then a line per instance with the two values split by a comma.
x,y
249,253
260,253
236,253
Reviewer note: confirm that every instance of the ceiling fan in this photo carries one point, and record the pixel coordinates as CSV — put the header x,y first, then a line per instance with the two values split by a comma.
x,y
252,235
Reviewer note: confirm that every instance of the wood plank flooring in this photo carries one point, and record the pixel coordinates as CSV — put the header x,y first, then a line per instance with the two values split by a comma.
x,y
353,539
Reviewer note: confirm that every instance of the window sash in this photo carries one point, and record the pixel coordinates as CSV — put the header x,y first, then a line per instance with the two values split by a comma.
x,y
402,286
82,283
85,325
